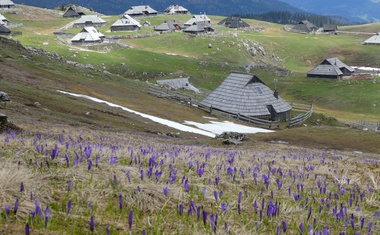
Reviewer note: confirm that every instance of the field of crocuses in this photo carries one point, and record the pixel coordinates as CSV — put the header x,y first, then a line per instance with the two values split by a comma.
x,y
92,182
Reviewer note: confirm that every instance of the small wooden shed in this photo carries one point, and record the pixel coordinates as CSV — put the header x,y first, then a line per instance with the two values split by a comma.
x,y
233,22
126,23
145,10
332,68
304,27
7,4
246,94
73,12
89,20
176,9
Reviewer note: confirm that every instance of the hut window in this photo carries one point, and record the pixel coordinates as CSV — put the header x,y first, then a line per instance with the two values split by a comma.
x,y
259,91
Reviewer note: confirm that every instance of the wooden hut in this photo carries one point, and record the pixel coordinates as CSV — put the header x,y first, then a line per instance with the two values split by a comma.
x,y
246,94
8,4
331,68
233,22
126,23
198,19
330,28
145,10
304,27
88,35
73,12
176,9
89,20
374,40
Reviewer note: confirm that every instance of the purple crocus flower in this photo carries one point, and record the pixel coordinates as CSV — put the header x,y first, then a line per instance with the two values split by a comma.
x,y
369,226
205,214
108,232
130,219
309,214
121,201
212,222
186,186
47,216
127,175
217,179
144,232
377,214
92,224
302,227
22,187
7,209
200,171
88,151
180,209
114,180
166,191
38,208
68,207
89,164
15,208
239,197
284,226
362,222
279,230
27,229
204,191
114,159
325,231
69,184
216,195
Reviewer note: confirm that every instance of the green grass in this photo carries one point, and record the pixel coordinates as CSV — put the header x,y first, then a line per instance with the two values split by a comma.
x,y
179,54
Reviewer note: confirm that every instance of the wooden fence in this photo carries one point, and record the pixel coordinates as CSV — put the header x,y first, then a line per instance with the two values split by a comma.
x,y
366,125
302,117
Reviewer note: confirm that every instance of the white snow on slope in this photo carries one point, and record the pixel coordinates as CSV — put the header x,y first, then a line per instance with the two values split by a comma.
x,y
210,129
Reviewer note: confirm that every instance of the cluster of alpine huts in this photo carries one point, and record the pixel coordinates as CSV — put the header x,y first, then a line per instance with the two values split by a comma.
x,y
128,22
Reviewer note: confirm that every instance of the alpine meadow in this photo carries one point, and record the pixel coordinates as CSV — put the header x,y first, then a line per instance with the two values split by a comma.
x,y
94,141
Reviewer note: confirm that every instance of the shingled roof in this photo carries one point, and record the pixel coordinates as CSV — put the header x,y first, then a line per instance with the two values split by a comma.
x,y
168,25
176,9
331,68
93,19
247,95
73,11
374,40
89,35
141,10
125,23
6,3
233,22
4,30
198,18
304,27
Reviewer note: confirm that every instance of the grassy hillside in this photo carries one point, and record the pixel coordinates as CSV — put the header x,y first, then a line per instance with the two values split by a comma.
x,y
178,54
72,166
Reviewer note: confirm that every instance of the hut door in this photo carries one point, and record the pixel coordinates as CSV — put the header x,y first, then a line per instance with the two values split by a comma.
x,y
273,115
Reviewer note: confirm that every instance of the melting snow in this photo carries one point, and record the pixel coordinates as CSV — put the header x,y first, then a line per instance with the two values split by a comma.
x,y
210,129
